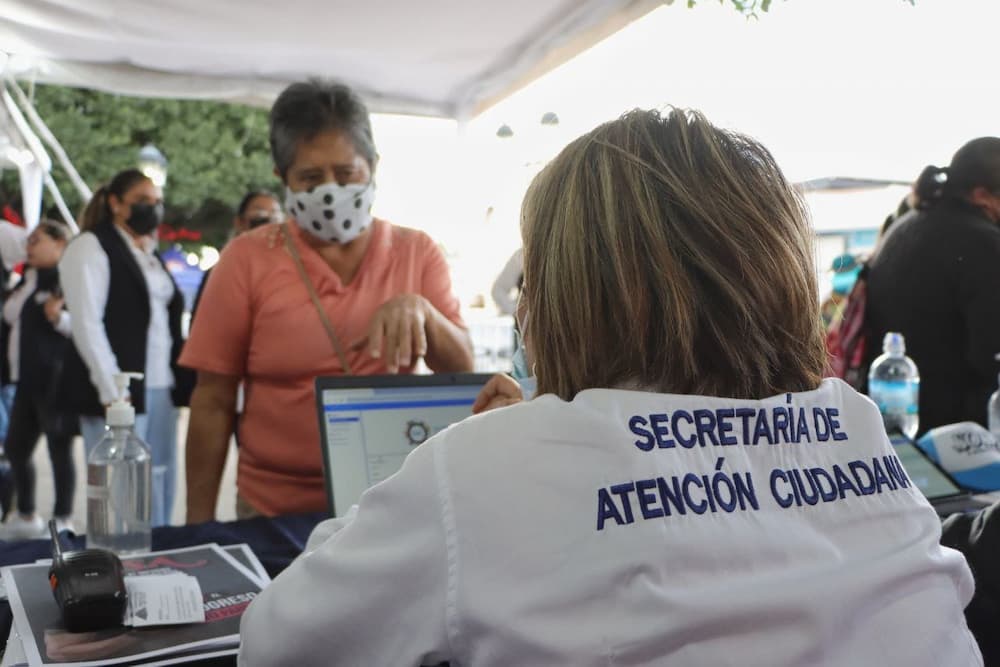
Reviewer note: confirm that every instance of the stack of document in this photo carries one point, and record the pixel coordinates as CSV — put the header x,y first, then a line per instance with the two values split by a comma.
x,y
164,625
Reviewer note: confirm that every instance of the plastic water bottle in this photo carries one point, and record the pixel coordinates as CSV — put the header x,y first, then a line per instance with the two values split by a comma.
x,y
993,410
894,385
119,481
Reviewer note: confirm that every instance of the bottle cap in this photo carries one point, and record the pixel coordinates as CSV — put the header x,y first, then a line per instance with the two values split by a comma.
x,y
893,343
121,412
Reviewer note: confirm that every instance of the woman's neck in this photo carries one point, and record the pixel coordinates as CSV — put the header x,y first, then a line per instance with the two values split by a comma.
x,y
138,240
344,259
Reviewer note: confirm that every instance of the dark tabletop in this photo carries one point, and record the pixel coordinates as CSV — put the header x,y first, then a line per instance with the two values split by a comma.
x,y
276,542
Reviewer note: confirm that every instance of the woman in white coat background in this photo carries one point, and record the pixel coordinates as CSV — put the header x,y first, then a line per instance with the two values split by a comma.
x,y
685,489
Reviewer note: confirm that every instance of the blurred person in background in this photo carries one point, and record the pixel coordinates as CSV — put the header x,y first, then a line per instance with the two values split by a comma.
x,y
36,331
126,312
507,286
13,249
258,207
935,279
845,270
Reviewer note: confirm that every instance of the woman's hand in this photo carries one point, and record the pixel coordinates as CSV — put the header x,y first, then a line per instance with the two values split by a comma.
x,y
398,328
502,390
53,308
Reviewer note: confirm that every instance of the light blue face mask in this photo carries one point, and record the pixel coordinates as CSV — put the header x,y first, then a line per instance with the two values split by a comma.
x,y
519,362
520,371
843,281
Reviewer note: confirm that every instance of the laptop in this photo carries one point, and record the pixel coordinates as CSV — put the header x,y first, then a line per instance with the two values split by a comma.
x,y
946,496
369,424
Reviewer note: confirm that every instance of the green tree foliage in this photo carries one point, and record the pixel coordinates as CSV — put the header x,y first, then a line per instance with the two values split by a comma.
x,y
216,151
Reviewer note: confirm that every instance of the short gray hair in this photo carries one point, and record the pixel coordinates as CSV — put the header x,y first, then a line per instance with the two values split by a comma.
x,y
306,108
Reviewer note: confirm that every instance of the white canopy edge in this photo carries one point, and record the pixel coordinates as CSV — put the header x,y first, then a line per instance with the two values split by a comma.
x,y
581,25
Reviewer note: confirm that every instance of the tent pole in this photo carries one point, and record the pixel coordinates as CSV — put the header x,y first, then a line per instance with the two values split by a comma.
x,y
41,157
46,134
61,203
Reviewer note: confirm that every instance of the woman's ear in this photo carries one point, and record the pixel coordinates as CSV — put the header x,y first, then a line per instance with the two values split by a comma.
x,y
988,202
114,203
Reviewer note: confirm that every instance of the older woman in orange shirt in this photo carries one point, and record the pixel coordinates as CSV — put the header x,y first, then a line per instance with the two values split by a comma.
x,y
384,291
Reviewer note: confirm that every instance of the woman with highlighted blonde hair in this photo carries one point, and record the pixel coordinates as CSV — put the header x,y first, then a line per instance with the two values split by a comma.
x,y
685,488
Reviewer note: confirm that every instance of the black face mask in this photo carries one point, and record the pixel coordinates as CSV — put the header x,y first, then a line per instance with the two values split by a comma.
x,y
145,218
255,222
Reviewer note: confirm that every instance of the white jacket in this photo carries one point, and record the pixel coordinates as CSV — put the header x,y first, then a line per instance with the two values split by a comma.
x,y
536,535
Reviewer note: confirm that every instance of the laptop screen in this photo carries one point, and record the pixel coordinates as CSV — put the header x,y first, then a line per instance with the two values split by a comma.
x,y
367,431
922,472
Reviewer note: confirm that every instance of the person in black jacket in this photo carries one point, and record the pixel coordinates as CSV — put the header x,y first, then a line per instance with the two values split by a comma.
x,y
36,331
936,280
126,312
977,536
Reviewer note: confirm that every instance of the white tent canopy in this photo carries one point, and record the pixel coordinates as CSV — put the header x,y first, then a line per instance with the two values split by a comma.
x,y
449,58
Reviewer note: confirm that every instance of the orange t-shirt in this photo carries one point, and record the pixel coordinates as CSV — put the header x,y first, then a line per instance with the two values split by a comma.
x,y
256,321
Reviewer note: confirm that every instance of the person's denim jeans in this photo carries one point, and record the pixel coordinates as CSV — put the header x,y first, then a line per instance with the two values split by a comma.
x,y
6,403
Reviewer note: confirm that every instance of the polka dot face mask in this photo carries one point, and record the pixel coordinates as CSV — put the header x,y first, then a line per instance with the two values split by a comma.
x,y
333,212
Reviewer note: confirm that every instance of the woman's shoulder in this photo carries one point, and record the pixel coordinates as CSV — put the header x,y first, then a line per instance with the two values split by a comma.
x,y
82,245
515,426
262,240
401,237
257,247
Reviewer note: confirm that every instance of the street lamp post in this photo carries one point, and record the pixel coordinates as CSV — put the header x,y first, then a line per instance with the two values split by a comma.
x,y
153,163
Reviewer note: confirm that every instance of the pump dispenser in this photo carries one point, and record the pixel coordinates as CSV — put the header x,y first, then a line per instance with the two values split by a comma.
x,y
121,412
119,481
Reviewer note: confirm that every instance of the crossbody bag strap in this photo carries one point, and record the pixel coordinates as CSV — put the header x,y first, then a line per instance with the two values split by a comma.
x,y
334,339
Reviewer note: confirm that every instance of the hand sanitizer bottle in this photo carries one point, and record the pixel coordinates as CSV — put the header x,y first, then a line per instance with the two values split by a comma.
x,y
119,481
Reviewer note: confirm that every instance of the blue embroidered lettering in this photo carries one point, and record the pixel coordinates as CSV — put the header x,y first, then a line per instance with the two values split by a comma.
x,y
719,481
880,478
821,424
780,416
777,474
689,480
898,472
819,476
831,417
722,417
795,488
745,492
647,499
682,441
671,495
844,482
856,468
705,424
793,428
635,425
802,430
623,491
761,429
606,509
810,499
745,414
660,430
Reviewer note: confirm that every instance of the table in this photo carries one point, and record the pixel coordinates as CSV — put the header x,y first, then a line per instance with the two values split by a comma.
x,y
276,541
